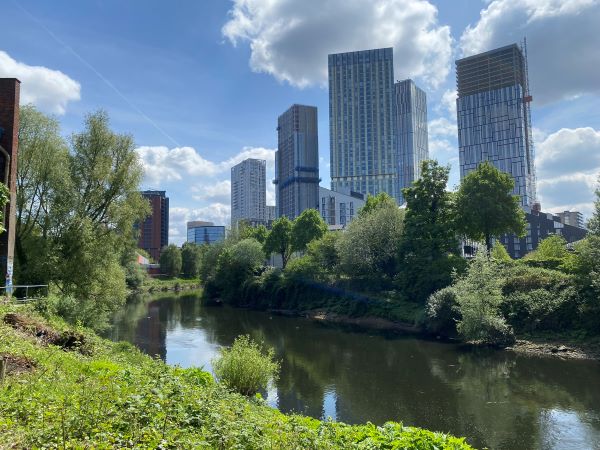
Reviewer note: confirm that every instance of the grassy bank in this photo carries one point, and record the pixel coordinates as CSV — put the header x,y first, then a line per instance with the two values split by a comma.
x,y
68,388
161,283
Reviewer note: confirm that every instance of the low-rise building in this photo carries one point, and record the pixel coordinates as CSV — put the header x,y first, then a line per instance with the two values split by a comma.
x,y
339,208
200,232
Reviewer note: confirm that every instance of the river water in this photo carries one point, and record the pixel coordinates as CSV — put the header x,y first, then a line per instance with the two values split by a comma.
x,y
496,399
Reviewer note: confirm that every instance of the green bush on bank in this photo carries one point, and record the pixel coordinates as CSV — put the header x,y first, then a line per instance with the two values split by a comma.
x,y
115,397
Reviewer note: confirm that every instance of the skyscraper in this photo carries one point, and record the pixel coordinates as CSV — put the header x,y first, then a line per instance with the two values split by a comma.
x,y
494,120
361,122
154,230
410,109
297,161
248,192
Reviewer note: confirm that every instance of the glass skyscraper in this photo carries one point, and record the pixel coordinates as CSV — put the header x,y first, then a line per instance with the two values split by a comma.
x,y
410,108
361,122
494,120
200,232
297,161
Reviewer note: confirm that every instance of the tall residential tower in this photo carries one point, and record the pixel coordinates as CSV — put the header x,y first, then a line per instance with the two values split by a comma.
x,y
154,230
494,120
297,161
248,192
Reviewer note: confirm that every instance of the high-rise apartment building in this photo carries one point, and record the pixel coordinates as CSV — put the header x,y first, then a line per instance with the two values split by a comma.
x,y
297,161
361,122
410,109
574,218
494,120
154,230
248,192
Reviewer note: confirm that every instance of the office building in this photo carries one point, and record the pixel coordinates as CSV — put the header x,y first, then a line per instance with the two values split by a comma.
x,y
361,122
574,218
154,230
339,208
248,192
271,215
410,109
200,232
493,114
297,161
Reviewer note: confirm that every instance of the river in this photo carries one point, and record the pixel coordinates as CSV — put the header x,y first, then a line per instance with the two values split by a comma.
x,y
497,399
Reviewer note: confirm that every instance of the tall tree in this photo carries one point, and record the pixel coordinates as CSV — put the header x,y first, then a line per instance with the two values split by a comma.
x,y
376,201
191,258
430,247
594,222
170,261
307,227
485,206
279,239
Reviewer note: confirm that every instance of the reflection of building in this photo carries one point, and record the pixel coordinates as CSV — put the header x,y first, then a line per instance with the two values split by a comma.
x,y
361,122
539,226
410,108
338,208
9,144
494,120
154,230
200,232
248,192
297,161
574,218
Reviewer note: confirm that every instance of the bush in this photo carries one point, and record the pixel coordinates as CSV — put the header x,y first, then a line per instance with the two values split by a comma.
x,y
443,312
245,367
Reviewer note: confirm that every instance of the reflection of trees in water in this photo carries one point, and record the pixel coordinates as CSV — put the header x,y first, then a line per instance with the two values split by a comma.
x,y
495,398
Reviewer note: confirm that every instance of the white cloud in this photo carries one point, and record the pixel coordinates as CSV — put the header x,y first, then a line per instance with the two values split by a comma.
x,y
442,127
568,165
50,90
291,39
448,103
218,213
441,149
218,192
562,40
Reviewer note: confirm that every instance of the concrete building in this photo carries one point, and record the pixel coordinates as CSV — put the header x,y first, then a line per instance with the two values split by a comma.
x,y
297,161
494,119
10,89
574,218
248,192
410,109
200,232
154,230
361,122
339,208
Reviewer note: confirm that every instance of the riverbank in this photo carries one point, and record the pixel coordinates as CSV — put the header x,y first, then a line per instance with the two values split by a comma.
x,y
162,284
85,391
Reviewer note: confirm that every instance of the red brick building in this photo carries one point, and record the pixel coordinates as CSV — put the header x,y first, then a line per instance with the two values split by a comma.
x,y
154,231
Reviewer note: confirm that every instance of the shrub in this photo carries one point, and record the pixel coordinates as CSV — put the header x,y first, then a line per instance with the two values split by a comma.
x,y
245,367
443,312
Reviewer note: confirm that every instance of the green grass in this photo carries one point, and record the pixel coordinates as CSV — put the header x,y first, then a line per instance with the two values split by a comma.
x,y
113,396
165,283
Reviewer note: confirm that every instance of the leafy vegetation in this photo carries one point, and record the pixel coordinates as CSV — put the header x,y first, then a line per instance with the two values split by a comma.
x,y
109,395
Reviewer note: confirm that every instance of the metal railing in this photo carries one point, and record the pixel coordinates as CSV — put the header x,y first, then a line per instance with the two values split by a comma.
x,y
23,293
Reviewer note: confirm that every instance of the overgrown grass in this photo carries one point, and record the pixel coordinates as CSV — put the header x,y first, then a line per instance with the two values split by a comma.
x,y
113,396
162,283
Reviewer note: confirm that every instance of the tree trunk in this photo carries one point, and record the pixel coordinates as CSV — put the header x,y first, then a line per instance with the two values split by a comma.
x,y
488,242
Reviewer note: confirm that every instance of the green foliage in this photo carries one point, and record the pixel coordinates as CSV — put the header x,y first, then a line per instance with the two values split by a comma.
x,y
500,255
4,197
171,261
324,254
551,253
191,259
594,222
586,267
429,247
246,367
135,275
368,249
258,233
485,206
279,239
479,296
381,200
443,312
307,227
210,256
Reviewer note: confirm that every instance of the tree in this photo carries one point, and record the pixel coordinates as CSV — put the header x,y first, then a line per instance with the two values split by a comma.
x,y
429,248
369,248
279,239
259,233
485,206
236,264
307,227
499,254
170,261
324,252
374,202
594,222
191,258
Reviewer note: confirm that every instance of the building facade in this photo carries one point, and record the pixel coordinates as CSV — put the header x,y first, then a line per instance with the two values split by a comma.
x,y
154,230
339,208
297,161
363,155
494,119
248,192
574,218
271,215
200,232
412,146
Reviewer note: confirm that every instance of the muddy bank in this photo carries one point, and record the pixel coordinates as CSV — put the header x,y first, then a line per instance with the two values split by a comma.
x,y
557,349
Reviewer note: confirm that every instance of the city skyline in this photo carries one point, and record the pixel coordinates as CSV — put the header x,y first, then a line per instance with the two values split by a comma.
x,y
200,99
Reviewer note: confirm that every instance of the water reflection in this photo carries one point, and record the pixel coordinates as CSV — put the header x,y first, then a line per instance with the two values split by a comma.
x,y
496,399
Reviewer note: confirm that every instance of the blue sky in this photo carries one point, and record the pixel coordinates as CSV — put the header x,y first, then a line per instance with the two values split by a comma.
x,y
200,84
